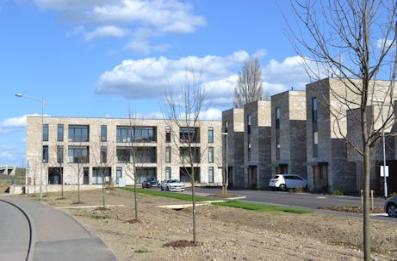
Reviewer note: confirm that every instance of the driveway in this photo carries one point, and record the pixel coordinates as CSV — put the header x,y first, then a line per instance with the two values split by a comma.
x,y
55,235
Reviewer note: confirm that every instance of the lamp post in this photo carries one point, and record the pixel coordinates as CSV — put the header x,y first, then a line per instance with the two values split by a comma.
x,y
42,102
225,174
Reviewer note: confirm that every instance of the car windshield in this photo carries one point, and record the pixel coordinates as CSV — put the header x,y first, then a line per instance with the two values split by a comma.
x,y
276,177
173,181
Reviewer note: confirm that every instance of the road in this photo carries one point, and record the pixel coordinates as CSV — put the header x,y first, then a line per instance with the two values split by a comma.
x,y
15,233
55,235
307,200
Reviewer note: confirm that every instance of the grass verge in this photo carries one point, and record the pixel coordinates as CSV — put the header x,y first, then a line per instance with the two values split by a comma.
x,y
167,194
262,207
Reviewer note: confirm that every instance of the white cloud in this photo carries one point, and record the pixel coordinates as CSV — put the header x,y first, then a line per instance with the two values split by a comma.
x,y
211,114
14,123
106,31
151,77
154,17
385,42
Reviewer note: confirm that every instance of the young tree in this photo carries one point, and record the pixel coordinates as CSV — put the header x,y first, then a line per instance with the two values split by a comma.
x,y
249,85
352,41
77,162
103,157
183,112
59,162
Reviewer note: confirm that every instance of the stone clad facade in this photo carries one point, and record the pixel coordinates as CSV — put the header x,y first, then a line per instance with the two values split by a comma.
x,y
289,133
257,144
233,126
160,156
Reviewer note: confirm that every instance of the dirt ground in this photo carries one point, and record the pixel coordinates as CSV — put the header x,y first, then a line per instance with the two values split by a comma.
x,y
225,233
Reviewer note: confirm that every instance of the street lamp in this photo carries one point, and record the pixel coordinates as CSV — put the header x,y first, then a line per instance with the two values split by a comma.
x,y
226,173
42,102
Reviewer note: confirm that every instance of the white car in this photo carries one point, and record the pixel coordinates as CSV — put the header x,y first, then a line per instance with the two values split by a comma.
x,y
172,185
287,181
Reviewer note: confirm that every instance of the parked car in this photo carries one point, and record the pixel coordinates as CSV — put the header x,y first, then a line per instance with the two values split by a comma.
x,y
287,181
391,207
172,185
149,183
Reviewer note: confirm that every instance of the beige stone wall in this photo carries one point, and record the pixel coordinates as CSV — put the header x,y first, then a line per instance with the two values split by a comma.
x,y
33,147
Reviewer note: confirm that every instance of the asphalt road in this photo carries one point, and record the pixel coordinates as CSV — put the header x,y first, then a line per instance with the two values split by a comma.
x,y
55,235
15,233
307,200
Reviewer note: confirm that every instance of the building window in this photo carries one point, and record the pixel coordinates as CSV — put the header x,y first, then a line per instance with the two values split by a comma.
x,y
249,151
168,154
167,172
104,154
167,134
136,155
210,135
315,126
79,133
78,154
60,132
211,155
189,134
59,154
249,123
185,153
45,132
211,175
125,134
277,119
104,133
226,126
45,154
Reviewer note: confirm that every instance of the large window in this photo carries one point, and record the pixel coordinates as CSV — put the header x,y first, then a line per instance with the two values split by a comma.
x,y
167,172
210,135
211,175
45,132
59,154
137,155
168,155
277,120
189,134
127,134
185,154
167,134
104,133
104,154
45,154
249,123
60,132
79,133
78,154
211,155
315,126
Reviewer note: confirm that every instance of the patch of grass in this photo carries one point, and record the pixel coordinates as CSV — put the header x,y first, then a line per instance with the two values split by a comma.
x,y
262,207
167,194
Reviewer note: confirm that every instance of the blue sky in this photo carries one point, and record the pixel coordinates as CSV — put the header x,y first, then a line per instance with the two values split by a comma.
x,y
97,58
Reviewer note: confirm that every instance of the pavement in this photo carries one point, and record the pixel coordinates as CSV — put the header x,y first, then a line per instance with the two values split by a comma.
x,y
54,234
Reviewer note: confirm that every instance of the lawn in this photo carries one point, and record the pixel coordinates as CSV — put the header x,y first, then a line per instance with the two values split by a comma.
x,y
262,207
167,194
233,203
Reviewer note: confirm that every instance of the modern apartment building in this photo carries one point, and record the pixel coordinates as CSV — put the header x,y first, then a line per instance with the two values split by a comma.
x,y
377,115
328,166
87,149
233,146
288,143
257,144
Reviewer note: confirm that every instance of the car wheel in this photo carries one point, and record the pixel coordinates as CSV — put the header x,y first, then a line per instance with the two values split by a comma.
x,y
161,187
283,187
168,188
391,210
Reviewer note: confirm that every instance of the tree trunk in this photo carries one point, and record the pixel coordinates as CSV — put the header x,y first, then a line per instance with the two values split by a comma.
x,y
78,187
194,205
135,201
62,196
103,189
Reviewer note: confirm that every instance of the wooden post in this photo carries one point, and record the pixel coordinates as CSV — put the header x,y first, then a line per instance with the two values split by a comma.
x,y
372,199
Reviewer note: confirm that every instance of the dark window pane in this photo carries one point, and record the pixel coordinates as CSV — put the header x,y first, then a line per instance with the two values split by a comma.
x,y
60,132
45,132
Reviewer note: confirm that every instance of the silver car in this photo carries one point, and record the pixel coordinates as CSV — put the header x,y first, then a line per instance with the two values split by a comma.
x,y
172,185
391,206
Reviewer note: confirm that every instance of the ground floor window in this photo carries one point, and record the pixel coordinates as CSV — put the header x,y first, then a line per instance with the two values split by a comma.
x,y
211,175
55,176
186,173
167,172
101,175
145,173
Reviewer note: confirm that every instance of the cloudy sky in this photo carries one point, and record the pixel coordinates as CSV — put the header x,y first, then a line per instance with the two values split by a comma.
x,y
99,57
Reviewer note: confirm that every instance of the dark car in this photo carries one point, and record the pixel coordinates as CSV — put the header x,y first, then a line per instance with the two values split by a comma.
x,y
149,183
391,206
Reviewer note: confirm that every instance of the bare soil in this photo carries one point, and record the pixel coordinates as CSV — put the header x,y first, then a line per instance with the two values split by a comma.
x,y
352,209
224,233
